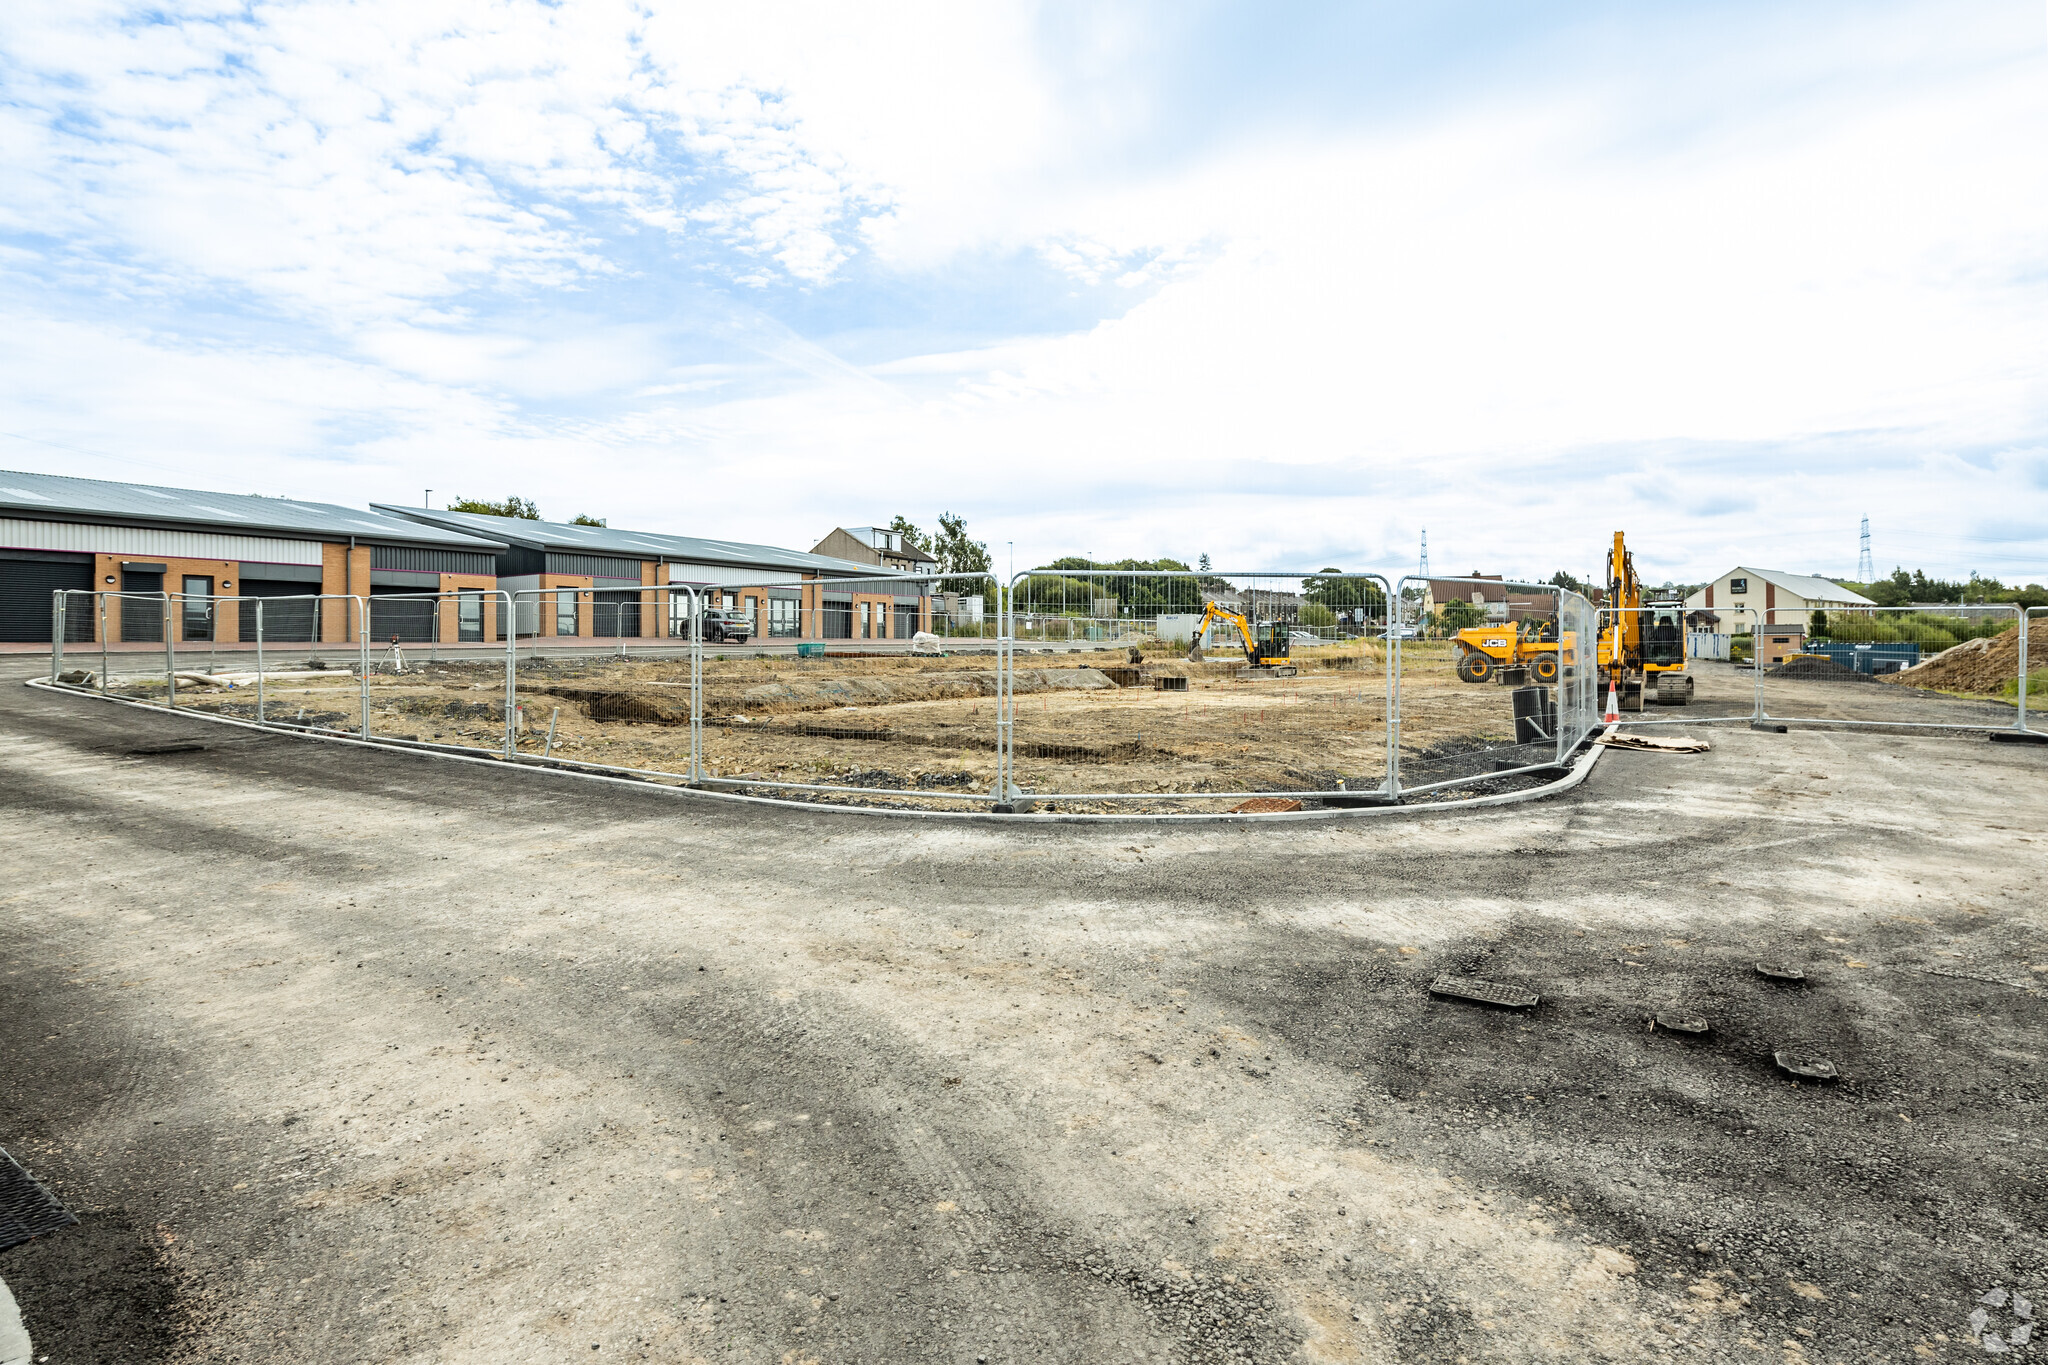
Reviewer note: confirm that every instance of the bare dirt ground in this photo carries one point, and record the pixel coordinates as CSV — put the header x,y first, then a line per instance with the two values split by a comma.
x,y
928,725
349,1055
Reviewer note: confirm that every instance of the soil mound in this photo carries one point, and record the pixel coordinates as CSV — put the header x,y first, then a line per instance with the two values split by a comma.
x,y
1983,666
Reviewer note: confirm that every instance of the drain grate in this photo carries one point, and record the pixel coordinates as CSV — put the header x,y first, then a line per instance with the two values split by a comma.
x,y
1485,992
26,1208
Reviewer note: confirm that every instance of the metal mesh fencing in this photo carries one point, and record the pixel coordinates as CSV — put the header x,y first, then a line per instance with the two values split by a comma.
x,y
2033,670
1489,684
1721,682
1325,689
1919,668
1175,689
886,692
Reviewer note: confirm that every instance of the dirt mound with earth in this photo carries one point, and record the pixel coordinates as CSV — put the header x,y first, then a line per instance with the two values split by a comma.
x,y
1983,666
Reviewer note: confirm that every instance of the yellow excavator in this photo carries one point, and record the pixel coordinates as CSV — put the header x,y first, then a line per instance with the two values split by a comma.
x,y
1642,644
1265,647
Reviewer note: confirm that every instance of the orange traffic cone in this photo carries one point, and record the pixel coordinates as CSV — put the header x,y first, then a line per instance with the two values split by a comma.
x,y
1613,716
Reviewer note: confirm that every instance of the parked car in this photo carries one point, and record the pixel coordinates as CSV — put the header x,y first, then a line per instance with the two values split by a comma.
x,y
727,627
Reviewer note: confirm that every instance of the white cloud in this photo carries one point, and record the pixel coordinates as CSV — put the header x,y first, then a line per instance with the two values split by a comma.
x,y
1730,288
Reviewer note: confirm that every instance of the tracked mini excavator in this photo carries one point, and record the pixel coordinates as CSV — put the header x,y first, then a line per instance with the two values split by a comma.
x,y
1264,647
1642,644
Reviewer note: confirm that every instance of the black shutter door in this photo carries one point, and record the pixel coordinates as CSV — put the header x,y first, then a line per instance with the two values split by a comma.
x,y
394,612
142,618
286,621
27,611
615,613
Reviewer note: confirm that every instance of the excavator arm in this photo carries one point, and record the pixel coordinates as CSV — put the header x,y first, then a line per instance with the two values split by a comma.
x,y
1244,632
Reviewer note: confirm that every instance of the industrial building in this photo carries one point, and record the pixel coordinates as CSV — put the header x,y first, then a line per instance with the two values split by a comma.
x,y
571,579
215,555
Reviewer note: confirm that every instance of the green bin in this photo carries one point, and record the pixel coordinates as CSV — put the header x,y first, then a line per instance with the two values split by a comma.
x,y
811,649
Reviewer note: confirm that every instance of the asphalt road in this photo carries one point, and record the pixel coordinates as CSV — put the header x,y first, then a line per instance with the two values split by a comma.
x,y
348,1056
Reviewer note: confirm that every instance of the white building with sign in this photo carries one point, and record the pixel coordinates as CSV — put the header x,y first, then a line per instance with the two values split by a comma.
x,y
1777,598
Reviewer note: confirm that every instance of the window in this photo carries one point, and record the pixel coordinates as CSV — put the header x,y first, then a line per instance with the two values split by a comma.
x,y
197,608
865,609
469,616
783,618
565,612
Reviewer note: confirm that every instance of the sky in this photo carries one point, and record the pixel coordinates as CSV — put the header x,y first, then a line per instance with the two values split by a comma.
x,y
1286,285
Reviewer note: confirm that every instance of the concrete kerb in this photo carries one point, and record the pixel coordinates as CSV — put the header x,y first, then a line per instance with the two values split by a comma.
x,y
642,780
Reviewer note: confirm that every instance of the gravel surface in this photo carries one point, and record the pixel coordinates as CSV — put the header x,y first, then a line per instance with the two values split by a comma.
x,y
349,1056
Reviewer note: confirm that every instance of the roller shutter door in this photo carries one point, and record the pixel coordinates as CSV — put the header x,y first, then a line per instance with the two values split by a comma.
x,y
285,621
615,613
26,608
401,612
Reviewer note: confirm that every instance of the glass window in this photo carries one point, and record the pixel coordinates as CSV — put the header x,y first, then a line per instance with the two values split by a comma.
x,y
469,615
198,608
565,612
865,608
783,617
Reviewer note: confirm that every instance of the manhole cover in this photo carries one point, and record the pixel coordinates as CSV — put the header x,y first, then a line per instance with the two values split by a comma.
x,y
1673,1021
1779,971
1806,1064
1485,992
26,1208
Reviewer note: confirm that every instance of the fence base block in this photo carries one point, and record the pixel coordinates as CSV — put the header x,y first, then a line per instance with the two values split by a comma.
x,y
2017,737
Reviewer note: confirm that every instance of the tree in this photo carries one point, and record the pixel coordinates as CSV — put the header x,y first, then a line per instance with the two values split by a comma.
x,y
514,506
1561,579
956,553
914,538
584,520
1817,625
1458,614
1203,563
1317,616
1342,594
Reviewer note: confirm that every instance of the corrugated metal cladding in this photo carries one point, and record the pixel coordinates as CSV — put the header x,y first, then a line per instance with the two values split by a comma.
x,y
415,560
85,538
595,566
729,575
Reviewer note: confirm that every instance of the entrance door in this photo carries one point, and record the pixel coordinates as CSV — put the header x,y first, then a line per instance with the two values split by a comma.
x,y
195,608
469,617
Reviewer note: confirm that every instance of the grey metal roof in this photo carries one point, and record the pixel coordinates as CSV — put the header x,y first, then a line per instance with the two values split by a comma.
x,y
563,537
61,497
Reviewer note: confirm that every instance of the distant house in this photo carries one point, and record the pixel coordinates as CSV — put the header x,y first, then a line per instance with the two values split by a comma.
x,y
876,545
1777,598
1491,595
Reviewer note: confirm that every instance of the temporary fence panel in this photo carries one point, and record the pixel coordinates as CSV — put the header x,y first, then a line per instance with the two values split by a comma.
x,y
1113,712
1494,678
420,691
2033,669
1910,667
869,699
575,700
